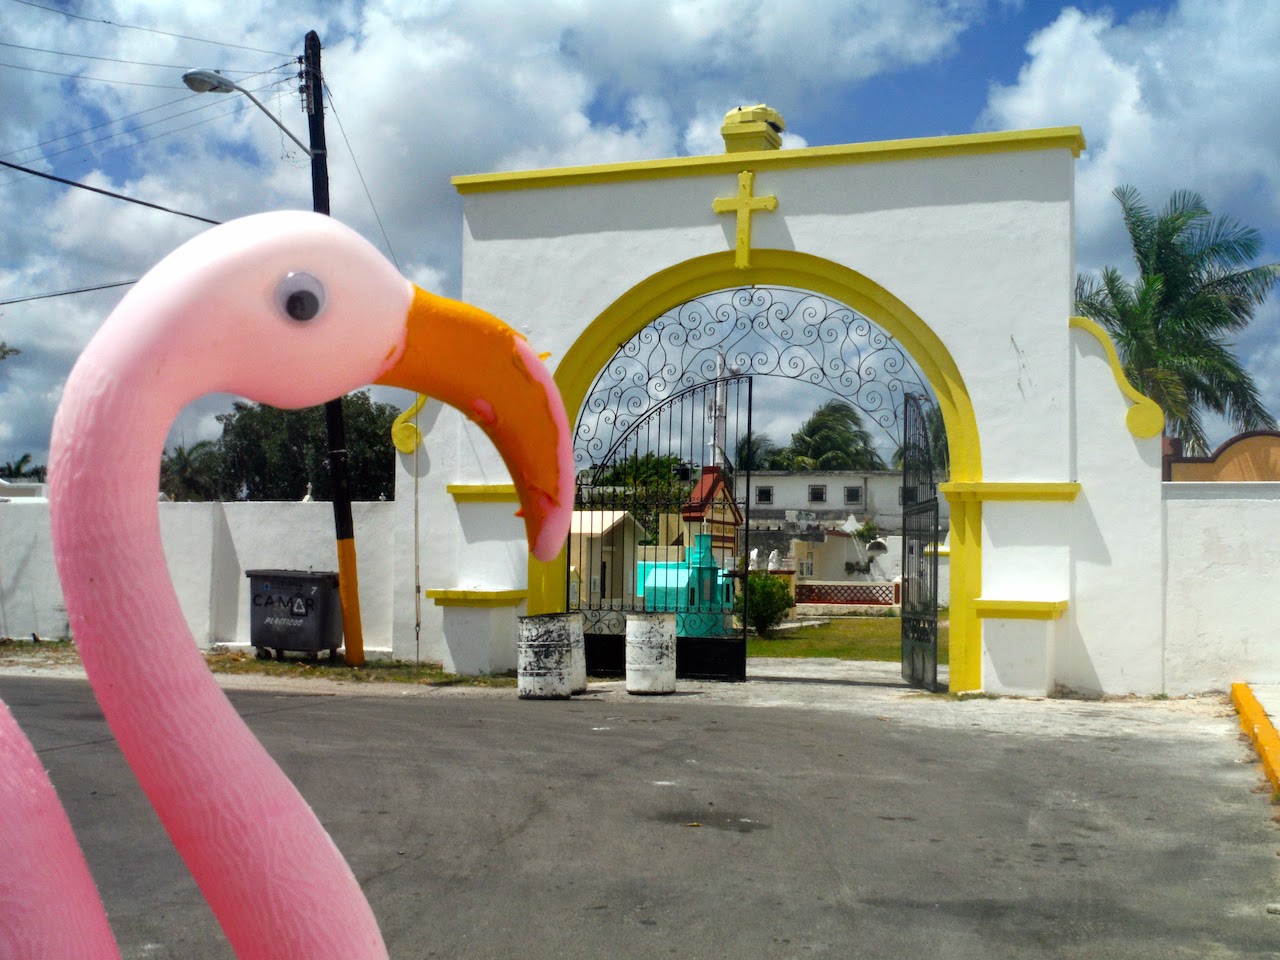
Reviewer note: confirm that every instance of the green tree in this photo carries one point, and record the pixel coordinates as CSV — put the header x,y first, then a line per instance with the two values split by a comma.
x,y
1173,324
939,450
7,351
192,473
647,485
833,438
271,454
23,469
753,451
766,600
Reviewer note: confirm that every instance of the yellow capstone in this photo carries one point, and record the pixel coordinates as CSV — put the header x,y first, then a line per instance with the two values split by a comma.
x,y
752,128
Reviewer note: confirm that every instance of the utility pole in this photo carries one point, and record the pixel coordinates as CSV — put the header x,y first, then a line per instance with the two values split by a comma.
x,y
348,578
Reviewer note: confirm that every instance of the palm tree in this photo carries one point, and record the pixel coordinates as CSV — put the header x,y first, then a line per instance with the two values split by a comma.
x,y
1172,325
754,451
23,469
833,438
939,450
191,473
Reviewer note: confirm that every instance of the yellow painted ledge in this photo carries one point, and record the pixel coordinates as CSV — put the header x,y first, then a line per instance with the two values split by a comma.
x,y
1020,609
1145,419
483,492
1004,141
1255,722
476,598
995,490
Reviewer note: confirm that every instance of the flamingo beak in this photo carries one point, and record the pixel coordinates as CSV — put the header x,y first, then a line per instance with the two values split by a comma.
x,y
473,361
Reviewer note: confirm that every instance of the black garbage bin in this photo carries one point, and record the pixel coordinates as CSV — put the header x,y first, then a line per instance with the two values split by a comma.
x,y
294,610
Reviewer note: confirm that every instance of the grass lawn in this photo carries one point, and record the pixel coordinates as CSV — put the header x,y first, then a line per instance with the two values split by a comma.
x,y
373,671
846,638
54,653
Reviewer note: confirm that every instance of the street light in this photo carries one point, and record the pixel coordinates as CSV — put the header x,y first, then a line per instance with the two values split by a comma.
x,y
210,81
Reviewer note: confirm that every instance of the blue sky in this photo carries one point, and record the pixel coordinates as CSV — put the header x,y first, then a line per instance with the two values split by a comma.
x,y
1170,95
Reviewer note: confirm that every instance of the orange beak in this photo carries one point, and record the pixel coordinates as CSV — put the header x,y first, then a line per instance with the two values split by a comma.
x,y
473,361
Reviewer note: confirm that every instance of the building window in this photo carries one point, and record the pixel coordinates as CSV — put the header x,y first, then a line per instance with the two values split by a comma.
x,y
852,495
817,493
764,494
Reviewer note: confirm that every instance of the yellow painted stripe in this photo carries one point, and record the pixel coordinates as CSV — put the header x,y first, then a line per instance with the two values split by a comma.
x,y
1255,722
483,492
1020,609
956,492
1007,141
476,598
349,595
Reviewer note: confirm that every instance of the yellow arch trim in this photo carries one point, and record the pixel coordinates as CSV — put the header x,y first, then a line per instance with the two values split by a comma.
x,y
1145,419
650,298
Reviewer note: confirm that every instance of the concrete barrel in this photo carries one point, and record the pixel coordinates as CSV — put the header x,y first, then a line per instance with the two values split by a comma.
x,y
651,653
543,658
578,654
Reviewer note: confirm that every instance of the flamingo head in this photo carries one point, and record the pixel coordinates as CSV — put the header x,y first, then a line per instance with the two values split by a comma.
x,y
293,309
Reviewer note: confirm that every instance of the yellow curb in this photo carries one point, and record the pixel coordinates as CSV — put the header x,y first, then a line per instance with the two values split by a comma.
x,y
1255,722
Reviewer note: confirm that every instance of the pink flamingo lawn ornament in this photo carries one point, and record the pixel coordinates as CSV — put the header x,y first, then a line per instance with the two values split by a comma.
x,y
289,309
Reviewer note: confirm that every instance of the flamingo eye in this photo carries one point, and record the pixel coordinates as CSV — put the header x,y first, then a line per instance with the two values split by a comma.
x,y
300,296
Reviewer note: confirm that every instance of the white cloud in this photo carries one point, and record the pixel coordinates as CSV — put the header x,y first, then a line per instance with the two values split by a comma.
x,y
1180,101
424,90
1184,100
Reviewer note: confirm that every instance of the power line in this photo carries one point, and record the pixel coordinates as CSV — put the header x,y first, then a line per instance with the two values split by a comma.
x,y
108,193
89,56
77,76
360,173
208,105
163,33
205,105
67,293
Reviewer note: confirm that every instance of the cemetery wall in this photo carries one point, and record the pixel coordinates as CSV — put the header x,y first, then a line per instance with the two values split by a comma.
x,y
209,546
1222,602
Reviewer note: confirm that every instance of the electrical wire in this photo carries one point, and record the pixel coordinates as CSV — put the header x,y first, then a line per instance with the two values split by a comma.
x,y
77,76
135,63
163,33
207,105
67,293
108,193
368,196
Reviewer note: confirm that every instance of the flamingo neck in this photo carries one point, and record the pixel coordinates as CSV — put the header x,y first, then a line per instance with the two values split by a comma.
x,y
261,858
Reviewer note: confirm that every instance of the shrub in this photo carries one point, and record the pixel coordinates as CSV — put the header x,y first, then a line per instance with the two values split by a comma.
x,y
768,601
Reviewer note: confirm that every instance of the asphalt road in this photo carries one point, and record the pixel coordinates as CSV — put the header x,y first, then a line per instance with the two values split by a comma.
x,y
861,822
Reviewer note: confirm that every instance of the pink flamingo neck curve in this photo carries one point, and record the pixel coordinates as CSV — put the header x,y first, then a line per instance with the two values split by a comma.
x,y
215,317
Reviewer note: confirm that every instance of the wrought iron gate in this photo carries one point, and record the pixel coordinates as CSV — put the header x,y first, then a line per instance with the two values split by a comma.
x,y
919,550
660,524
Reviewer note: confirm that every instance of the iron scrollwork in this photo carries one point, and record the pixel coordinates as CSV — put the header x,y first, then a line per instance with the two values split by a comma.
x,y
760,331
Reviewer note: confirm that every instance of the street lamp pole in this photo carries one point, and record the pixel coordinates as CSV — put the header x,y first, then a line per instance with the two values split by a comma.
x,y
208,81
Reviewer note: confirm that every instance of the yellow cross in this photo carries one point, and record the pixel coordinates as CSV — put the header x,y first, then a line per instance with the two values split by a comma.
x,y
744,205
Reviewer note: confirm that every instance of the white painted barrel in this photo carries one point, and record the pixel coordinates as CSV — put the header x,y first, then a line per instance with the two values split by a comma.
x,y
578,654
543,658
651,653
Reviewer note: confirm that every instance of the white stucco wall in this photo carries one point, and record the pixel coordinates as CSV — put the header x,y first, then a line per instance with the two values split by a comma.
x,y
969,243
979,246
208,546
1222,585
30,596
1111,639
